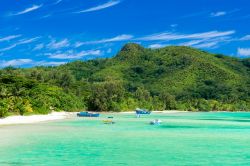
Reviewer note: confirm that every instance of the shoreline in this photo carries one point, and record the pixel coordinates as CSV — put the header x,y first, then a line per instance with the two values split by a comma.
x,y
14,120
30,119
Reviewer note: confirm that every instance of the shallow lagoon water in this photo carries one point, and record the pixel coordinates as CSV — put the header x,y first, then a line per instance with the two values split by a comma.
x,y
183,139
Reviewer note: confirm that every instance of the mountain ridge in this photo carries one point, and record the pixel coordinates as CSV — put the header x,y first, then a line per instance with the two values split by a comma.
x,y
173,77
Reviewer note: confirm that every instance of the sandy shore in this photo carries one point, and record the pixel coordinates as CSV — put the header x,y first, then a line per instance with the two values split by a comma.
x,y
12,120
34,118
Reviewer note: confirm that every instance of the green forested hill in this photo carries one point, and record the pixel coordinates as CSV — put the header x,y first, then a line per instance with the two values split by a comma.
x,y
168,78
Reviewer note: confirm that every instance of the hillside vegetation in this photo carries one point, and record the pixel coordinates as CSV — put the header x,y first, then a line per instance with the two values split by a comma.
x,y
169,78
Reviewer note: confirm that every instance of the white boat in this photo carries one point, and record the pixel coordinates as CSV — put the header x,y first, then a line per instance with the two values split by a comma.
x,y
156,122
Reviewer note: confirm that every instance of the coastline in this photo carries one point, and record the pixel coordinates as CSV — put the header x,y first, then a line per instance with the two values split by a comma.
x,y
13,120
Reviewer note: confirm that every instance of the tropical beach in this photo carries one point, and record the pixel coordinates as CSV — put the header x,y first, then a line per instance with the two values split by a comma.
x,y
124,83
13,120
54,116
206,138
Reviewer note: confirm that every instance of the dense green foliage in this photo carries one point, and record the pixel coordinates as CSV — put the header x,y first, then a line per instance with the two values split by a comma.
x,y
169,78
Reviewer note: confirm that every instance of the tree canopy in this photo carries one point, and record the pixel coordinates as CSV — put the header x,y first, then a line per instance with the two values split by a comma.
x,y
174,77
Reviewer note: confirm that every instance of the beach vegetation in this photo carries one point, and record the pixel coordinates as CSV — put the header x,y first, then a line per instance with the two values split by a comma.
x,y
170,78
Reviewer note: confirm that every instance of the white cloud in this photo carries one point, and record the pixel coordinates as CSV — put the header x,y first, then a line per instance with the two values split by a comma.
x,y
168,36
244,52
57,2
27,10
247,37
21,62
15,62
102,6
174,25
57,45
192,42
123,37
155,46
218,14
46,16
26,41
20,42
8,48
38,47
8,38
207,45
73,55
51,63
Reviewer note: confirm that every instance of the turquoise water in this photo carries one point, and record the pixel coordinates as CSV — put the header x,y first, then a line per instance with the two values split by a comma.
x,y
183,139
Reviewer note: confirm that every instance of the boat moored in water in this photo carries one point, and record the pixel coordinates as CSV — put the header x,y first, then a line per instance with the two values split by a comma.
x,y
142,111
108,121
156,122
87,114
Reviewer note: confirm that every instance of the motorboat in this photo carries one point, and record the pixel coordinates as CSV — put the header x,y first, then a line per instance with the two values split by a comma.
x,y
87,114
142,111
108,121
156,122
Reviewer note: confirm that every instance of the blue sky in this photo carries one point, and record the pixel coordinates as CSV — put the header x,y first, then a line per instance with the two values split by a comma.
x,y
54,32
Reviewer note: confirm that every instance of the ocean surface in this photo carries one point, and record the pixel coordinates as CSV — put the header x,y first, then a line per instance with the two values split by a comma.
x,y
205,139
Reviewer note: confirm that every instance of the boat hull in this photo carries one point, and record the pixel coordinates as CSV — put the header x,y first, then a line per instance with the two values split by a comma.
x,y
87,114
143,112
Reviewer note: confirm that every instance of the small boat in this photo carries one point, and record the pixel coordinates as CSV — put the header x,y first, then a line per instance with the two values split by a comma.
x,y
108,121
155,122
142,111
87,114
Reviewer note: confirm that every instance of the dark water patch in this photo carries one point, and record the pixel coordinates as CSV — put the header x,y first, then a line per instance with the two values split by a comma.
x,y
242,120
178,126
229,120
205,127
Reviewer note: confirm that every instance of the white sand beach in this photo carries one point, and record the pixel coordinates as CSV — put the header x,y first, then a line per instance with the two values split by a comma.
x,y
12,120
34,118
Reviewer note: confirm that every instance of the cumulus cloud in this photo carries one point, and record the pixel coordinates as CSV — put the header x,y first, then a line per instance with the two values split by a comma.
x,y
101,7
245,52
28,10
